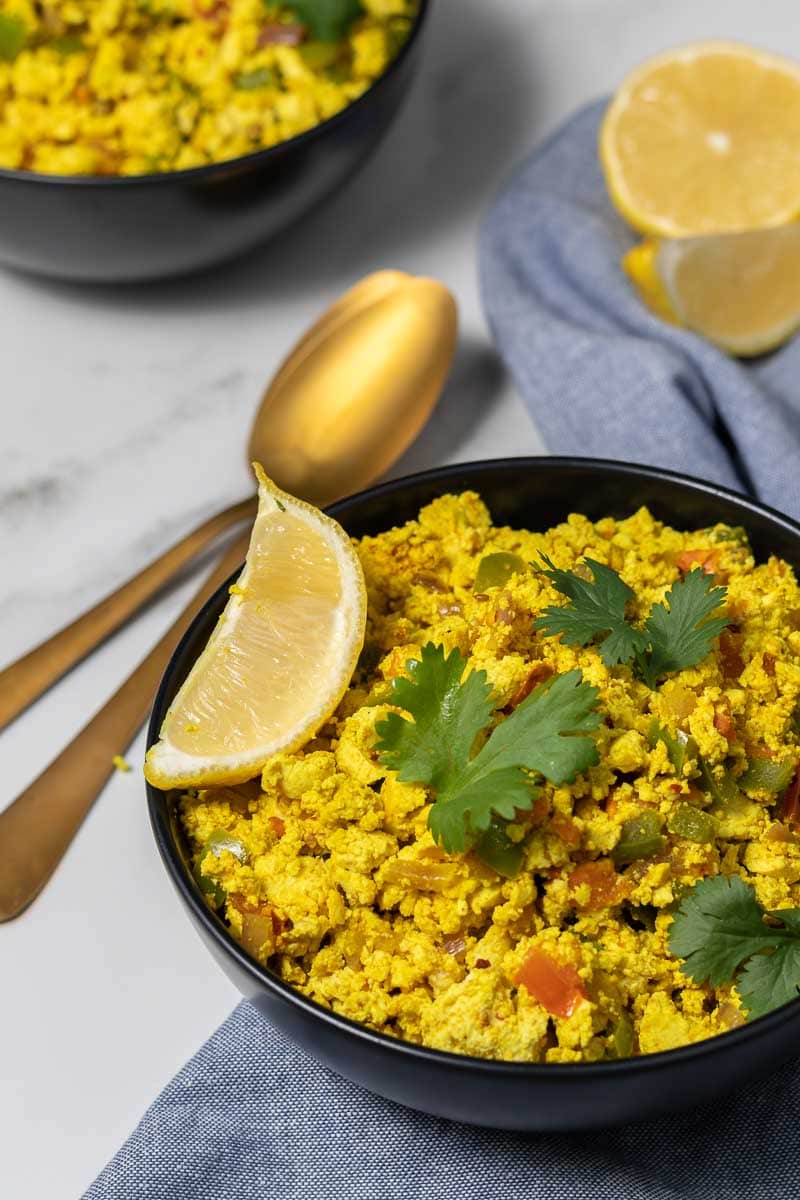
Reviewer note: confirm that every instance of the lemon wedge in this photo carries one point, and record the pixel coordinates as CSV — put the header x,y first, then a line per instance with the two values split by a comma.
x,y
704,140
281,656
739,290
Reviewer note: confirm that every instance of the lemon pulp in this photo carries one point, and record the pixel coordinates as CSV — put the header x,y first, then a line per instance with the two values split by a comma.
x,y
280,657
704,140
739,290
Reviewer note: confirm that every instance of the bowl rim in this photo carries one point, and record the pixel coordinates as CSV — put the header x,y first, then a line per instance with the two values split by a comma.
x,y
255,158
214,928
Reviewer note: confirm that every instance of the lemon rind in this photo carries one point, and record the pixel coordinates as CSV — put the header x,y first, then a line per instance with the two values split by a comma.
x,y
668,258
166,766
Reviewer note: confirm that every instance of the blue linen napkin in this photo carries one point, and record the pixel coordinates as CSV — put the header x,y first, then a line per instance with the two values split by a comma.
x,y
600,374
251,1115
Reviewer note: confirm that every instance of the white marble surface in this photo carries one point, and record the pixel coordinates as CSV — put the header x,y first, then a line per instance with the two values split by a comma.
x,y
124,415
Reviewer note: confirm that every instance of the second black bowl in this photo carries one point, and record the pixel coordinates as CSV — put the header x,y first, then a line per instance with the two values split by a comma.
x,y
115,229
533,493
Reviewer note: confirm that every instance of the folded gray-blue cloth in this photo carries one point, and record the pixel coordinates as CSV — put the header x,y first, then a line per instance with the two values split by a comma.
x,y
599,373
252,1117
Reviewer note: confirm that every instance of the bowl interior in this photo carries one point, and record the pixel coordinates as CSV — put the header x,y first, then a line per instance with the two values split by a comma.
x,y
534,493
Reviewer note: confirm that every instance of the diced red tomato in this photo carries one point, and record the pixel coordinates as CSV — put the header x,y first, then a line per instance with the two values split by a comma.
x,y
611,803
557,986
278,33
278,826
707,559
723,722
758,750
566,829
606,886
730,648
536,815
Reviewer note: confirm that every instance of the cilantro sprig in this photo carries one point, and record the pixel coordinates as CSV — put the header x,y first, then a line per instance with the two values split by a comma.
x,y
597,611
546,735
678,632
325,20
719,932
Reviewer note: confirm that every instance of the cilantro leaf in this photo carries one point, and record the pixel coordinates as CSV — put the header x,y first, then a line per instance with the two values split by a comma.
x,y
718,925
541,735
719,928
597,610
770,980
680,631
448,716
466,807
546,734
326,20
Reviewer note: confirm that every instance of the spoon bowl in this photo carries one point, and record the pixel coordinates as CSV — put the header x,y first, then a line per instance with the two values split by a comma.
x,y
356,390
345,403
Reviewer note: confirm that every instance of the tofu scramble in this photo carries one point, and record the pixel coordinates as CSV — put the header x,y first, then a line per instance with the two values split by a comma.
x,y
130,87
326,870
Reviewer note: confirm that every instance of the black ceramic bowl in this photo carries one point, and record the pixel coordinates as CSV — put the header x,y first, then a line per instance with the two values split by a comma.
x,y
121,229
534,493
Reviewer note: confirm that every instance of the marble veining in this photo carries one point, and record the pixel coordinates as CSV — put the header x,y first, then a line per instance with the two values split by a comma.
x,y
123,420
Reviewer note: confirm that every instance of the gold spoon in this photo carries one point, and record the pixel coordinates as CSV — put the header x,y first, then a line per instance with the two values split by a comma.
x,y
37,827
346,402
413,340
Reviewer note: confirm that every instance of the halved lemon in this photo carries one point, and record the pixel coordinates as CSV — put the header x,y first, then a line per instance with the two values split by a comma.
x,y
739,290
281,656
704,139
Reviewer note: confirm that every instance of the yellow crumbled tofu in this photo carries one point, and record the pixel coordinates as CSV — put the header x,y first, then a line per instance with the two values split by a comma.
x,y
130,87
326,869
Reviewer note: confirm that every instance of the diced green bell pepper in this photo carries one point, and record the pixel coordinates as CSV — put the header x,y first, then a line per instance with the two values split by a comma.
x,y
622,1036
68,44
13,35
251,81
639,838
320,55
692,823
722,791
495,570
730,533
679,746
495,848
767,775
217,841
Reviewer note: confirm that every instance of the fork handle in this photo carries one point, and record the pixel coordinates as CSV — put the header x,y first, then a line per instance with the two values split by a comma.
x,y
24,680
37,827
